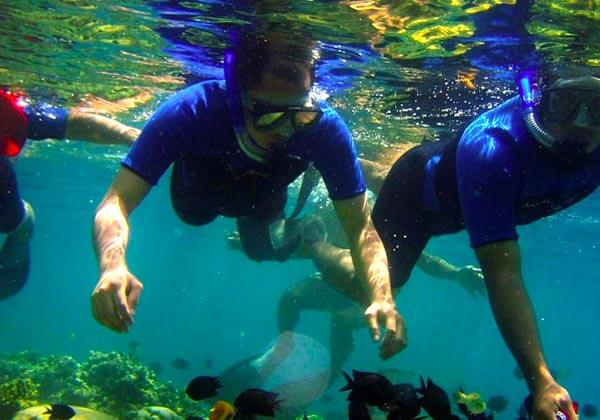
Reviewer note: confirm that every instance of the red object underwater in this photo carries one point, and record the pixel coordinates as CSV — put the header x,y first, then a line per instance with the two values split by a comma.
x,y
13,124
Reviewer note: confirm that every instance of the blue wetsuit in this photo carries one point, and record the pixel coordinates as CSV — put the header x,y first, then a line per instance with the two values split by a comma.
x,y
212,176
491,178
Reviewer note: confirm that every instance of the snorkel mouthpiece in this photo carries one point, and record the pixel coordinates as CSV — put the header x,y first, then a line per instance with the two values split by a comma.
x,y
527,90
530,96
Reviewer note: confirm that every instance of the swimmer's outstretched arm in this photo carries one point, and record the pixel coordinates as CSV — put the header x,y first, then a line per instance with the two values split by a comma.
x,y
469,277
45,121
501,264
116,295
99,129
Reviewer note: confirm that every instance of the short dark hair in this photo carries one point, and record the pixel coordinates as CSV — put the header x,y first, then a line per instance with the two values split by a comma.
x,y
289,54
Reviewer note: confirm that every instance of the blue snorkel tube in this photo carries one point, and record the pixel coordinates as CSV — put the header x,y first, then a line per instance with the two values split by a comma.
x,y
530,97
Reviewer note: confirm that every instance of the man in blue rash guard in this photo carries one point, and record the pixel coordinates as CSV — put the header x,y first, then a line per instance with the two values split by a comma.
x,y
235,147
20,120
530,157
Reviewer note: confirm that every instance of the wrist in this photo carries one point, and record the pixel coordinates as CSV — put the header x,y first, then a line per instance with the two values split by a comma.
x,y
540,380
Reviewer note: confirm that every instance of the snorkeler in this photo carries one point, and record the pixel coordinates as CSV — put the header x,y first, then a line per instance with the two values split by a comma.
x,y
19,121
528,158
235,146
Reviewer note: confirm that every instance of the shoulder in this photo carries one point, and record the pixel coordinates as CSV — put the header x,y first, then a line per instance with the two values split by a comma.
x,y
492,139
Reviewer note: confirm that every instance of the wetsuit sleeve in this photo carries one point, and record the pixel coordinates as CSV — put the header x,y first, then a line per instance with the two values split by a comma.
x,y
164,138
336,159
488,178
45,121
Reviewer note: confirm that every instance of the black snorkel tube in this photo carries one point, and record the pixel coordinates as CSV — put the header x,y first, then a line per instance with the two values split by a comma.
x,y
570,151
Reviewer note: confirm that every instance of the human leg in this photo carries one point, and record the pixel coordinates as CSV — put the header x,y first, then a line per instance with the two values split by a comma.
x,y
17,221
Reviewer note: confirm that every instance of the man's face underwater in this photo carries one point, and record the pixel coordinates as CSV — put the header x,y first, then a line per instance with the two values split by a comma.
x,y
570,109
271,130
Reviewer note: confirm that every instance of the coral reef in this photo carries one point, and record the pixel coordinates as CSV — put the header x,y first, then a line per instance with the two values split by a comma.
x,y
16,394
112,382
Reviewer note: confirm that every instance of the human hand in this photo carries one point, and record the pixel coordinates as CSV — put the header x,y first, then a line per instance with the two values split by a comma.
x,y
395,337
549,400
471,279
115,299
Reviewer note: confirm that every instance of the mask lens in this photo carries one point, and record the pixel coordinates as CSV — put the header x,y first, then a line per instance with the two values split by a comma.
x,y
593,104
562,103
265,121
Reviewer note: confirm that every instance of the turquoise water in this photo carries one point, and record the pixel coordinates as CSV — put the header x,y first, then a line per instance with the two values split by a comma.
x,y
203,301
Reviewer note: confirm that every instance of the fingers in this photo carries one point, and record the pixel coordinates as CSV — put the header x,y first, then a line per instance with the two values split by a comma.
x,y
373,325
113,305
133,298
567,407
105,312
391,322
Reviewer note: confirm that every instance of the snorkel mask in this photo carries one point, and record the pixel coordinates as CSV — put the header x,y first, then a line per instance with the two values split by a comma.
x,y
569,151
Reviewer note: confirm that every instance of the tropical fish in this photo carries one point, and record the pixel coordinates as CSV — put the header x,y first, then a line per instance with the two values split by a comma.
x,y
369,388
435,401
406,404
473,402
358,411
180,363
222,410
497,403
202,387
60,412
257,402
589,410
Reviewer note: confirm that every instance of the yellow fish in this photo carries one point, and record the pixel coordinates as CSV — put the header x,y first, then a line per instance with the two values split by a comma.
x,y
222,410
473,401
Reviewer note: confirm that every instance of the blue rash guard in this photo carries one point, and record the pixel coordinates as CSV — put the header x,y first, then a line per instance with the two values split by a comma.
x,y
196,122
492,178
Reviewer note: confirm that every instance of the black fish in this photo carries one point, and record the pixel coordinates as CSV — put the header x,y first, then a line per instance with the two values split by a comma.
x,y
358,411
369,388
497,403
589,410
60,412
406,404
257,402
180,363
202,387
435,401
